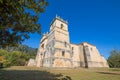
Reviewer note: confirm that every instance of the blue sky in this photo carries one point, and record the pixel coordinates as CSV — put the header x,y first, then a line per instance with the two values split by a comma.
x,y
94,21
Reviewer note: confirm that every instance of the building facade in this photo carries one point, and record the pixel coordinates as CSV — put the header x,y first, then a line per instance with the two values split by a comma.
x,y
56,51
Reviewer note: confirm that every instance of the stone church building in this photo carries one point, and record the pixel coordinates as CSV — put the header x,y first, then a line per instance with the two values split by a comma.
x,y
56,51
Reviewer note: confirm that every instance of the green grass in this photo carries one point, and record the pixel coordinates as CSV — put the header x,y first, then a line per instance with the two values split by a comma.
x,y
33,73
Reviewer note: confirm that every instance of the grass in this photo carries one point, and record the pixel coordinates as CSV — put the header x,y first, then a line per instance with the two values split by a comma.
x,y
33,73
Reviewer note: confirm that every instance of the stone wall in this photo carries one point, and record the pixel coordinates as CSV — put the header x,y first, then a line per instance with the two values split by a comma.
x,y
31,62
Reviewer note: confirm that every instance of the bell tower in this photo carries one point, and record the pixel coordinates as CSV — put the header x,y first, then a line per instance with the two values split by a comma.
x,y
60,27
62,48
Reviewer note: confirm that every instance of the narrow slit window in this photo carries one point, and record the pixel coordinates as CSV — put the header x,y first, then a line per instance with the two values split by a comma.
x,y
63,53
65,44
72,48
62,26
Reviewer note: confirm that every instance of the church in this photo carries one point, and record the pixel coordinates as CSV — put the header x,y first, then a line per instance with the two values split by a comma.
x,y
56,51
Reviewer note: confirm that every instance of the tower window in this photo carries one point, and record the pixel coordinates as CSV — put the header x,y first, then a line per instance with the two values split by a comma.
x,y
42,46
91,49
41,54
63,53
65,44
62,26
72,48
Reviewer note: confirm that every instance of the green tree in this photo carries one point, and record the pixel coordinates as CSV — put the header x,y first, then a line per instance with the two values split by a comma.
x,y
114,59
14,58
18,58
4,61
16,20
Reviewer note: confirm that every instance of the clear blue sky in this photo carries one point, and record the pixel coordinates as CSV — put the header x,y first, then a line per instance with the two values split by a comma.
x,y
93,21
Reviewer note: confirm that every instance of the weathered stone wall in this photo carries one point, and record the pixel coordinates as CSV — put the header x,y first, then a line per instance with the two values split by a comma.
x,y
75,55
94,59
41,51
31,62
82,55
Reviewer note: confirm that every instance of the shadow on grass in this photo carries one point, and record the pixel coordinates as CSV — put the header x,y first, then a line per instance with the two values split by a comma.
x,y
112,73
30,75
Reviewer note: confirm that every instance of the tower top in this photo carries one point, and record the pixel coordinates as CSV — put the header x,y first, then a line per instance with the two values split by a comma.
x,y
59,18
